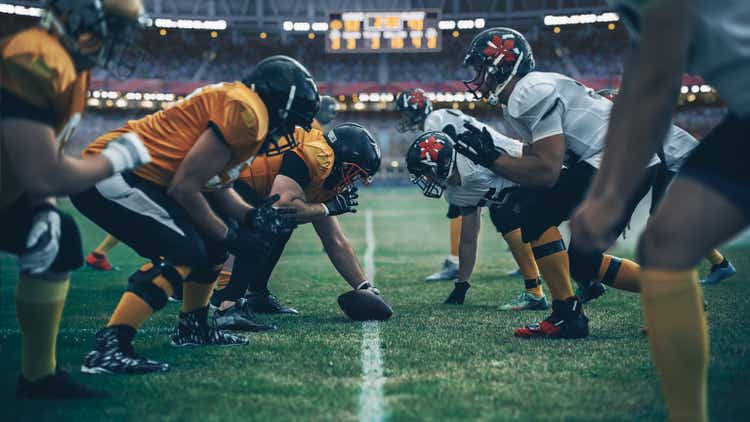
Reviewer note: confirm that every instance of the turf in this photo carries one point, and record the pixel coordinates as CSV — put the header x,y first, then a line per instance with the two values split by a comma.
x,y
441,362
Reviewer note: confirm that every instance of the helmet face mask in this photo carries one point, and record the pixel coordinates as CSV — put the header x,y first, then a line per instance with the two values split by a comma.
x,y
430,160
414,106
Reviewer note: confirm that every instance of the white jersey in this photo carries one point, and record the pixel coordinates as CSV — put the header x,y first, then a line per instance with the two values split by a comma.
x,y
677,148
479,186
544,104
440,120
719,45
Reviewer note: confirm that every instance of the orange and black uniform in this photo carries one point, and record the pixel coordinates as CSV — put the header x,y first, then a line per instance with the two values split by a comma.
x,y
309,164
38,82
135,208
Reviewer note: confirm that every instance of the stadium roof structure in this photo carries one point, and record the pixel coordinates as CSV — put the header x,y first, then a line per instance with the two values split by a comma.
x,y
268,15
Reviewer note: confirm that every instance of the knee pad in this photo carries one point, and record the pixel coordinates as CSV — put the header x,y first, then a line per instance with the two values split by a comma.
x,y
141,283
584,267
505,218
70,255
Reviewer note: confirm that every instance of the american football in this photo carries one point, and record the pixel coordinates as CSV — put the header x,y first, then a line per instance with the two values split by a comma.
x,y
363,305
374,210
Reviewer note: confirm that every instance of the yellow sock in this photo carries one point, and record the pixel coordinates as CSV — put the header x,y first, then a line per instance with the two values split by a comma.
x,y
195,295
107,244
620,273
522,253
678,333
455,235
715,257
552,258
39,306
223,280
131,310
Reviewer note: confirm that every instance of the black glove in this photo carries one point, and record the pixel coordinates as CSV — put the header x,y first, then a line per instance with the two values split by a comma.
x,y
366,285
458,295
268,219
343,203
243,241
477,145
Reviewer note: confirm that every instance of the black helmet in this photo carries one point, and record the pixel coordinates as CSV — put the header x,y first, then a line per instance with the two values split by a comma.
x,y
291,97
430,161
97,33
356,156
496,55
414,107
327,110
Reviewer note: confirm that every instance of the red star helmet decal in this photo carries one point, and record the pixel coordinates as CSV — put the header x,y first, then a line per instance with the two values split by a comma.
x,y
430,148
499,46
416,99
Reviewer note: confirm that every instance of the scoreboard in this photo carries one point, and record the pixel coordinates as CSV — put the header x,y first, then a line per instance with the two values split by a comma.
x,y
373,32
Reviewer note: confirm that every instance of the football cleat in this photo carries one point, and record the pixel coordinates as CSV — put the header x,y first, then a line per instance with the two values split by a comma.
x,y
448,272
526,301
239,317
193,329
514,273
59,385
590,292
114,354
566,321
458,295
719,273
99,262
266,303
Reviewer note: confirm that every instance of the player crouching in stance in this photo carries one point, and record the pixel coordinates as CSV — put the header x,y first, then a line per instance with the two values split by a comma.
x,y
180,211
563,124
318,178
470,188
43,82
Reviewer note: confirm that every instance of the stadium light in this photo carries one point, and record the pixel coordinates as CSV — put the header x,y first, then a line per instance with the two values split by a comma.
x,y
558,20
287,26
320,26
215,25
479,23
447,25
465,24
12,9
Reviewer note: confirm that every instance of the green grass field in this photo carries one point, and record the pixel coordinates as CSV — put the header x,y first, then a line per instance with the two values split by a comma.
x,y
440,362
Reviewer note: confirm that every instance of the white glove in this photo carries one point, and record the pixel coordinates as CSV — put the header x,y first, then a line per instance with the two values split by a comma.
x,y
126,152
43,241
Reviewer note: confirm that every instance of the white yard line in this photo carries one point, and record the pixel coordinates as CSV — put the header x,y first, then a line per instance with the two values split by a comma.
x,y
371,398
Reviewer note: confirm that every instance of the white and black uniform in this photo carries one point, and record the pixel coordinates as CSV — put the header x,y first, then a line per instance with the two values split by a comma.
x,y
719,51
544,104
480,184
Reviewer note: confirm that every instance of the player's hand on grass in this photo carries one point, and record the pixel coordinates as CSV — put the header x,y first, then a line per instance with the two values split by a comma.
x,y
126,152
43,241
342,203
477,145
269,219
366,285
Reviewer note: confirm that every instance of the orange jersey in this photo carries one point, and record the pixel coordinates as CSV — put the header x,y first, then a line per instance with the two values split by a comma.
x,y
316,125
232,109
37,70
314,151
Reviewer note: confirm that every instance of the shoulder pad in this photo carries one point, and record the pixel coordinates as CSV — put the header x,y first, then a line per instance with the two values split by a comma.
x,y
533,92
316,153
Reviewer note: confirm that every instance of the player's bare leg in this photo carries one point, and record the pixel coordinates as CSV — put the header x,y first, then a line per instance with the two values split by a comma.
x,y
97,259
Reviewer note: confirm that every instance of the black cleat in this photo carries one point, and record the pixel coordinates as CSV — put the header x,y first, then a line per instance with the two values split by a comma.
x,y
114,354
591,292
59,385
266,303
239,318
458,295
193,329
